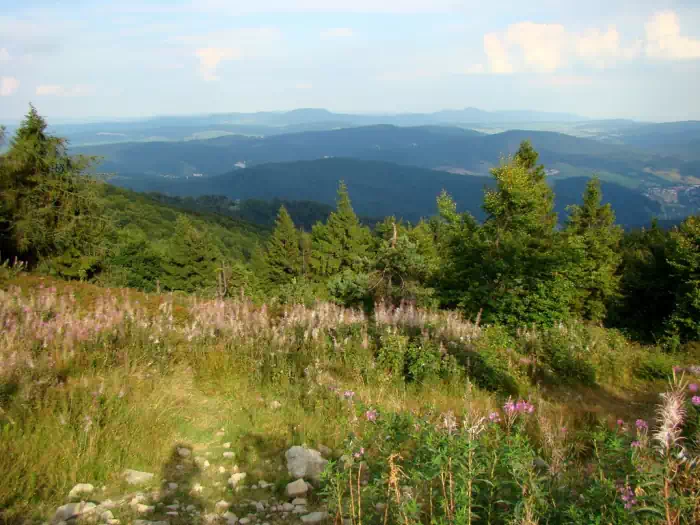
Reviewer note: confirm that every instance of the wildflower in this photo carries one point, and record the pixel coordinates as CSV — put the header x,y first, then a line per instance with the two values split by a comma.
x,y
563,430
494,417
641,424
348,394
620,423
371,415
628,496
677,369
695,401
449,422
636,444
359,453
693,387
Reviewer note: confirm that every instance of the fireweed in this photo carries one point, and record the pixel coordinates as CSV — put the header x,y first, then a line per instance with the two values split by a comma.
x,y
479,457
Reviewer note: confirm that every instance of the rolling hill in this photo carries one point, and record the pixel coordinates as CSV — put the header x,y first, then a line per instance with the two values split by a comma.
x,y
380,188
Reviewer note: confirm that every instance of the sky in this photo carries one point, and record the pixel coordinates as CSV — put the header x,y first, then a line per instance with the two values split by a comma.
x,y
135,58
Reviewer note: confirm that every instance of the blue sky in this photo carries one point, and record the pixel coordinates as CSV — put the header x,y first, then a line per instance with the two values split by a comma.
x,y
131,58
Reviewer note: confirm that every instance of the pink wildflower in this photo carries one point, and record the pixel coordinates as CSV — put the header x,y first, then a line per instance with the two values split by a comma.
x,y
371,415
695,401
348,394
641,424
693,387
494,417
359,453
636,444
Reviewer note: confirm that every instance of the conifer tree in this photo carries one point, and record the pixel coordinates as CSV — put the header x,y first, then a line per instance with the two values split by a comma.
x,y
512,266
283,259
342,243
593,240
49,208
684,258
191,259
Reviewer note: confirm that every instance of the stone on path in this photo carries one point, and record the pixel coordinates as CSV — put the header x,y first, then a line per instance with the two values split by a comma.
x,y
135,477
80,490
72,510
229,455
314,517
230,518
146,522
184,452
299,501
297,488
305,463
222,506
236,478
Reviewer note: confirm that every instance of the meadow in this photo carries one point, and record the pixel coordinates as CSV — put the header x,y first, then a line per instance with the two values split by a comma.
x,y
428,417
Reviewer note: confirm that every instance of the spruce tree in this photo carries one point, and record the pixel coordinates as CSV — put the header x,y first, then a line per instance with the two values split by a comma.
x,y
684,258
593,241
512,266
283,258
342,243
49,208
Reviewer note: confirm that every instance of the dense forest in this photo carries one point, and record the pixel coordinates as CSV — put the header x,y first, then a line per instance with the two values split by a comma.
x,y
515,265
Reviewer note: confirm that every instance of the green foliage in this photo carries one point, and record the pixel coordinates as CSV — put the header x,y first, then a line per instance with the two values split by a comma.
x,y
283,260
684,259
49,210
191,259
593,242
350,288
342,242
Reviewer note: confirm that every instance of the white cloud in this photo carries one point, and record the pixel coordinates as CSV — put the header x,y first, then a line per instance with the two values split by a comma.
x,y
337,32
56,90
542,45
497,54
545,48
304,85
603,50
212,49
211,57
475,69
8,85
664,40
4,55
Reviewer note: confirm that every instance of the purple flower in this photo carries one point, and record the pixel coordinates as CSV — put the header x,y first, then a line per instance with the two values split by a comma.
x,y
693,387
564,430
636,444
641,424
695,401
371,415
359,453
677,369
348,394
494,417
620,423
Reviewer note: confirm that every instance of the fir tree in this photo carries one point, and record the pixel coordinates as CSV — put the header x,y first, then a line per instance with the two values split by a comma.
x,y
342,243
283,258
49,208
593,240
684,258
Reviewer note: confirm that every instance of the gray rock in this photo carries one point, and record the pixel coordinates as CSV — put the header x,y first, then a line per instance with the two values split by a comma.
x,y
287,507
229,455
222,506
299,501
135,477
146,522
236,478
80,490
106,516
297,488
315,517
305,463
184,452
73,510
231,518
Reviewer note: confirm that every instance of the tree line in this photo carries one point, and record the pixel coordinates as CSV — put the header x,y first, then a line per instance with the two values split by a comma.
x,y
518,267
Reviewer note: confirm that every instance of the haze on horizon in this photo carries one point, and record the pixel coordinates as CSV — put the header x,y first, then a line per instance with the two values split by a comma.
x,y
109,58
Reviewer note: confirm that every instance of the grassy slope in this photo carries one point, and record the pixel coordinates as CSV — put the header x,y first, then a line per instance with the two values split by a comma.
x,y
128,396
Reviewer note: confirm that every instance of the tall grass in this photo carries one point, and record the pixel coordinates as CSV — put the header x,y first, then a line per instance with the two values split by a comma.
x,y
93,381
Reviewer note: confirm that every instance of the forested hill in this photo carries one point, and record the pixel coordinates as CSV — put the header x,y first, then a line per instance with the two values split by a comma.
x,y
426,146
378,188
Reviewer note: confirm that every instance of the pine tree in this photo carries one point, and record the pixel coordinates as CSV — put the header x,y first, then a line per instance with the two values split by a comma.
x,y
283,258
342,243
684,258
512,266
49,208
527,157
191,259
593,241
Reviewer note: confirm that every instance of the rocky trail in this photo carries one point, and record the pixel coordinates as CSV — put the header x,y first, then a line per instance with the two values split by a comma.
x,y
202,483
